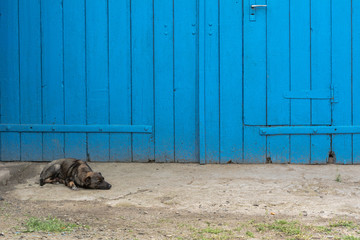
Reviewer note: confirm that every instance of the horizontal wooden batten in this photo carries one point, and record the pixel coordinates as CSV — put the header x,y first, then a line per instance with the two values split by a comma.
x,y
75,128
310,94
304,130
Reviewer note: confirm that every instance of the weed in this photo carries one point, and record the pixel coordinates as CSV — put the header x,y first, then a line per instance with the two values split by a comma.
x,y
338,178
48,225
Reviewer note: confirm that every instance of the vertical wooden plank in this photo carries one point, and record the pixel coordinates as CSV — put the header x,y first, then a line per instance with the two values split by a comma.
x,y
52,76
254,46
278,148
254,145
120,78
200,108
320,148
97,76
164,81
278,62
278,77
9,78
30,77
74,76
212,81
185,51
255,66
356,76
300,59
320,59
300,149
320,76
300,77
231,131
142,77
341,77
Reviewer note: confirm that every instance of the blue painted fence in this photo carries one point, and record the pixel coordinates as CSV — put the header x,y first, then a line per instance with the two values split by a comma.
x,y
209,81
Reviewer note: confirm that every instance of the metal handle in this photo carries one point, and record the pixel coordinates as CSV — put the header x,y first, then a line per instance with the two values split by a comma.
x,y
256,6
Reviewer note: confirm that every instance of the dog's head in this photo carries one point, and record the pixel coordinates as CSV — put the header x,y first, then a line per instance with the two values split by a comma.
x,y
95,180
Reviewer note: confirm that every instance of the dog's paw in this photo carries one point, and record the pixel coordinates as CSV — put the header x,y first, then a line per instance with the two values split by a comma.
x,y
74,188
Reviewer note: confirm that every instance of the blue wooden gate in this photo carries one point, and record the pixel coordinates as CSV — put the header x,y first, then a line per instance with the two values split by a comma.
x,y
301,81
207,81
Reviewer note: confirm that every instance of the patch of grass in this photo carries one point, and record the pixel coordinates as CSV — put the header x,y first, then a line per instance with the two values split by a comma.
x,y
289,228
210,233
343,223
350,238
261,227
249,234
322,229
212,230
48,225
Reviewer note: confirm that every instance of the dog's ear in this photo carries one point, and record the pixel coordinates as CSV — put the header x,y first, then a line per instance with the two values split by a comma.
x,y
87,181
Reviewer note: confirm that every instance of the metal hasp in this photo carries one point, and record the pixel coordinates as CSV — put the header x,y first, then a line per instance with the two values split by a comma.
x,y
253,7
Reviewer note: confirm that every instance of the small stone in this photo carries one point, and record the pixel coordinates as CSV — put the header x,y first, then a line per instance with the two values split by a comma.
x,y
305,213
146,212
1,198
2,235
255,205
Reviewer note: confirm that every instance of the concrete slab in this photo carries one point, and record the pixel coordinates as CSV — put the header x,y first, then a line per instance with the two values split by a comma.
x,y
319,190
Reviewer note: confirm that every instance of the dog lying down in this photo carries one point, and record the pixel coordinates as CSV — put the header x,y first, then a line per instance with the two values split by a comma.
x,y
73,173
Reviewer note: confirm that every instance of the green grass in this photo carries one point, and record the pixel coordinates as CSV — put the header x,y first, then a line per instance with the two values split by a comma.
x,y
48,225
350,238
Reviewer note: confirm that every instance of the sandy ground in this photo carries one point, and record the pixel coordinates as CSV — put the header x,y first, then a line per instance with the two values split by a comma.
x,y
169,201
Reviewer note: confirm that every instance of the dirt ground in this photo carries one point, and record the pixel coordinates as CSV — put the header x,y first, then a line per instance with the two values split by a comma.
x,y
189,201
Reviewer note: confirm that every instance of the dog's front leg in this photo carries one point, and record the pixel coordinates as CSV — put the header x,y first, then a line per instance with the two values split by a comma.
x,y
70,183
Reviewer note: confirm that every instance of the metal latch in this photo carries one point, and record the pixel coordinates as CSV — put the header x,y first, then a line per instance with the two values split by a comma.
x,y
253,7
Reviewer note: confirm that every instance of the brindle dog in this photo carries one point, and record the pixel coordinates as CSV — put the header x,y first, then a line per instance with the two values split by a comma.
x,y
73,173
